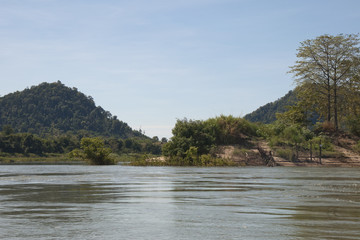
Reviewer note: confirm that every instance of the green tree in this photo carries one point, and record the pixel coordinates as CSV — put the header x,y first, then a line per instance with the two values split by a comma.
x,y
188,133
295,136
295,115
324,69
204,135
31,144
231,130
7,130
93,151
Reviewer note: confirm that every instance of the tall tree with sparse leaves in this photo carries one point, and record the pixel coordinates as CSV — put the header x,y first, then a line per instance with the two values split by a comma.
x,y
325,68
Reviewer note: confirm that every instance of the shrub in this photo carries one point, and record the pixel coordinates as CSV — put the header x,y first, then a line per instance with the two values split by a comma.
x,y
353,125
232,130
325,143
325,127
286,154
93,151
356,148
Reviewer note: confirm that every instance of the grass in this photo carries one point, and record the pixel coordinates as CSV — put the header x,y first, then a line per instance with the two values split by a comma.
x,y
134,159
127,158
331,154
34,159
199,161
241,151
356,147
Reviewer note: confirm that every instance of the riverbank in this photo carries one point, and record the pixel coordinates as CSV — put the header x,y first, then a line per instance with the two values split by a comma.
x,y
39,160
340,157
258,153
61,159
341,153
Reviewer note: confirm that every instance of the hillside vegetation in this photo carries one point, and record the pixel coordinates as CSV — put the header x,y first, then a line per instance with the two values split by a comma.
x,y
53,119
53,108
267,113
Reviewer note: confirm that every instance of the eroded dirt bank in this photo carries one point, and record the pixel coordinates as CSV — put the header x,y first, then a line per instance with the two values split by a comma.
x,y
262,155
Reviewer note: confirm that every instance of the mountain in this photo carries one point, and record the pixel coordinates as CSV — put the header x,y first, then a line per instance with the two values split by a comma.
x,y
267,113
54,108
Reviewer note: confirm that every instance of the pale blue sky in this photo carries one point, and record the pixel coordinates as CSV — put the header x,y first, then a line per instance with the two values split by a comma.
x,y
152,62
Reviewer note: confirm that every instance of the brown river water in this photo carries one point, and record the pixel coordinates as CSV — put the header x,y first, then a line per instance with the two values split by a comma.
x,y
118,202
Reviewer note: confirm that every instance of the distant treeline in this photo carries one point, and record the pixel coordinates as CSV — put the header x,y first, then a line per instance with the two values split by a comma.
x,y
28,143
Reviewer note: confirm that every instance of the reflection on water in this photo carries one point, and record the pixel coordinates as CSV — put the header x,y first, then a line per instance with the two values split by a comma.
x,y
116,202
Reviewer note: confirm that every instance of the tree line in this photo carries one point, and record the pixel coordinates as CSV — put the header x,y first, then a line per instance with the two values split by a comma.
x,y
12,142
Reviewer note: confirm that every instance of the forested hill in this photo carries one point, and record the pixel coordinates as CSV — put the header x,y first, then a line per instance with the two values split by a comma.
x,y
267,113
53,108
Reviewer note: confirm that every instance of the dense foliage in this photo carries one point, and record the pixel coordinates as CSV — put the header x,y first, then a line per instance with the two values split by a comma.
x,y
294,142
53,108
193,140
267,113
93,150
28,143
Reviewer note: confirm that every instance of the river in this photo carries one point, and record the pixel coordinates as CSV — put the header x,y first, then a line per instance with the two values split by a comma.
x,y
118,202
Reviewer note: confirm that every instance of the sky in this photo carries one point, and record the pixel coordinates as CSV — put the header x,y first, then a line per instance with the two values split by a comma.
x,y
152,62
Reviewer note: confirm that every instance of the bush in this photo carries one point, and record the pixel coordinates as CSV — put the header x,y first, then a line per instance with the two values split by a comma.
x,y
325,143
287,154
232,130
275,141
325,127
356,148
93,151
353,125
209,161
204,135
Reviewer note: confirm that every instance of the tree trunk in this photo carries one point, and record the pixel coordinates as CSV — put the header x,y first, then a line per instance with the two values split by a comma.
x,y
320,146
328,100
335,108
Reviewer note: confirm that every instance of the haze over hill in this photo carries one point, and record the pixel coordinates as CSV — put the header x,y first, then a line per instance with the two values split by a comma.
x,y
53,108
